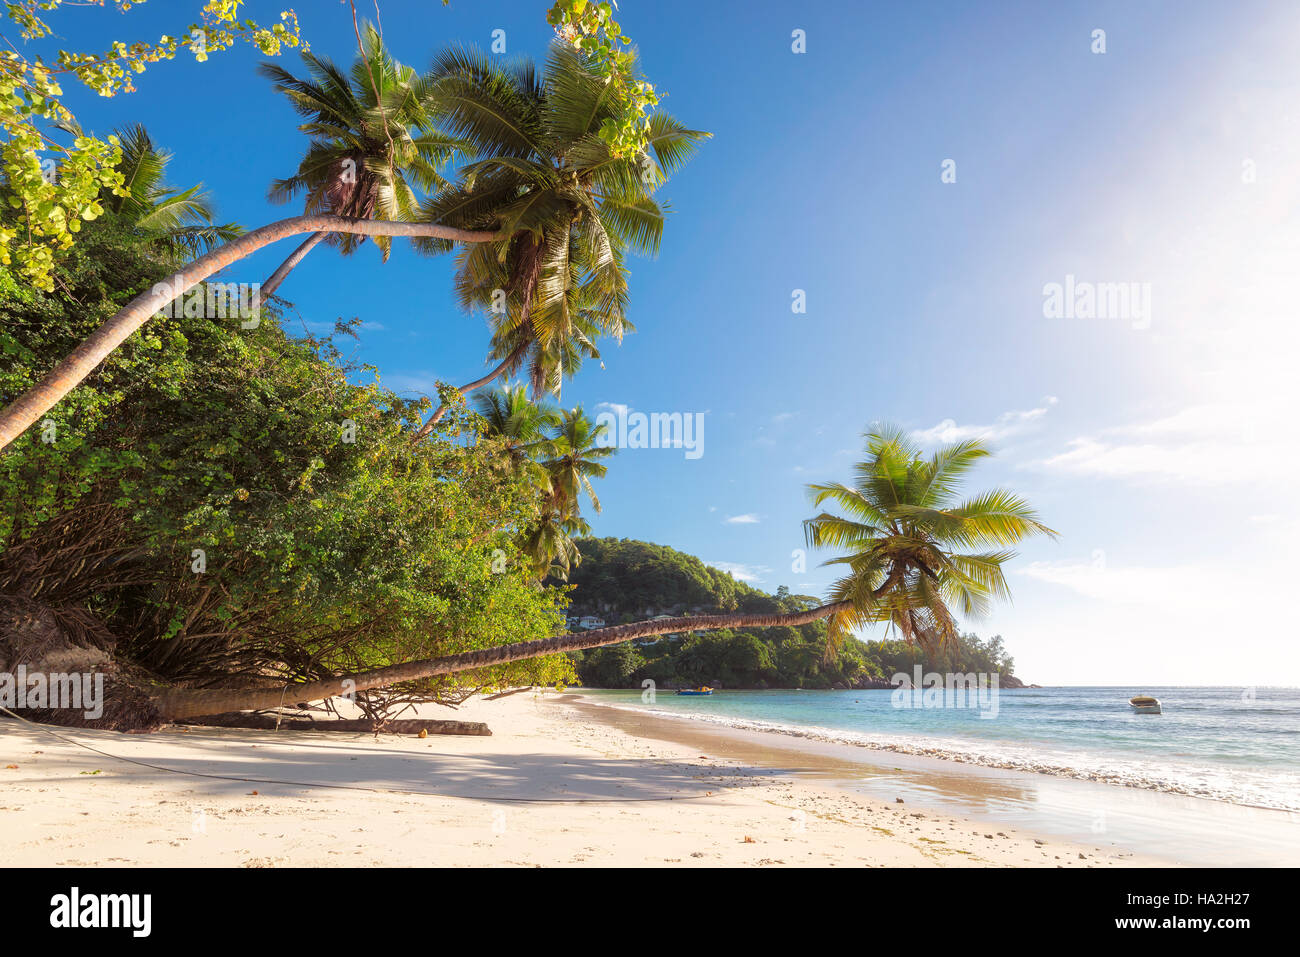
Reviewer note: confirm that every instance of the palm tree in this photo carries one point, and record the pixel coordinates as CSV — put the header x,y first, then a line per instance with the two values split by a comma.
x,y
576,453
909,543
901,528
567,208
549,543
372,145
558,452
180,223
575,450
522,427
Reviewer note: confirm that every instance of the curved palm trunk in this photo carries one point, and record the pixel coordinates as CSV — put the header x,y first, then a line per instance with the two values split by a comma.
x,y
65,376
188,703
282,271
492,376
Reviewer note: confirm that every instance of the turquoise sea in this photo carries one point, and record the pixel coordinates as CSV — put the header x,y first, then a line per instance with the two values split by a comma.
x,y
1240,745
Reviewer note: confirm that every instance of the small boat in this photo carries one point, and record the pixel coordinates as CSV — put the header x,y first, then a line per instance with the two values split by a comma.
x,y
1145,704
695,691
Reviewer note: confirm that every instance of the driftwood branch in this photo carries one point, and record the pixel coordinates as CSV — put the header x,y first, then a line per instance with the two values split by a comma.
x,y
240,719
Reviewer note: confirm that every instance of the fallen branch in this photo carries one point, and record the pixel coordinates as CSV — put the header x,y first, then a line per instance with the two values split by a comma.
x,y
239,719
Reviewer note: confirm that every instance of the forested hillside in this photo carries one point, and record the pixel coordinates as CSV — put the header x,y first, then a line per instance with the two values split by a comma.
x,y
622,580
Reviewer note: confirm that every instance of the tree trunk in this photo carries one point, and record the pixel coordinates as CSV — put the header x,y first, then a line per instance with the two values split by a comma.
x,y
269,722
470,387
281,273
188,703
65,376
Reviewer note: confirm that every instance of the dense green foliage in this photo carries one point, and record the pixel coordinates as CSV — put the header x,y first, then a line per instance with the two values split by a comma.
x,y
220,503
624,580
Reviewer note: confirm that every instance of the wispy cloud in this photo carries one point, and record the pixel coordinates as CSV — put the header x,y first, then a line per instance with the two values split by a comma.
x,y
404,383
1203,444
1008,424
749,518
740,571
1180,587
321,327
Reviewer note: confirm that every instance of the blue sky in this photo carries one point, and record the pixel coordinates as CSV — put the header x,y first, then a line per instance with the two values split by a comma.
x,y
1156,446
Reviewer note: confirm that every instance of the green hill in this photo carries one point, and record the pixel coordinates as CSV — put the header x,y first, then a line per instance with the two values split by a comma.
x,y
621,580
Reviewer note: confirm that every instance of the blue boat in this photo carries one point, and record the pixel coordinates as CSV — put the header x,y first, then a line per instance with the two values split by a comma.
x,y
695,691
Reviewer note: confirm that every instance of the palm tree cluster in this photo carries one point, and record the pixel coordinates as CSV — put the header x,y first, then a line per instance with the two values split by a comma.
x,y
542,215
543,211
535,170
900,532
559,452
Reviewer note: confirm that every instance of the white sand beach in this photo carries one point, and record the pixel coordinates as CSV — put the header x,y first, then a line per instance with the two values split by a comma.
x,y
551,787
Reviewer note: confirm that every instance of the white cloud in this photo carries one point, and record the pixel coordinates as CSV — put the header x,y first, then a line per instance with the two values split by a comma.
x,y
616,407
749,518
1174,586
1008,424
1201,444
741,572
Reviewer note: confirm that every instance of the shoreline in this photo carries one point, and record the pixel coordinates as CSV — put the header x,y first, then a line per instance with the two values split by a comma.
x,y
552,786
1175,827
973,753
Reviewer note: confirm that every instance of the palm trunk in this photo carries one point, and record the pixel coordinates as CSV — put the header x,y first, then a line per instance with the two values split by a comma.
x,y
492,376
64,377
281,273
189,703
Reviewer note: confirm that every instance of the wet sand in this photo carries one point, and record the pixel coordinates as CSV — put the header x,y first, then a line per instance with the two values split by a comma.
x,y
1177,828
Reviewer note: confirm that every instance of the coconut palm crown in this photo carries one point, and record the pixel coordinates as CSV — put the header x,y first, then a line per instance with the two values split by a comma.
x,y
180,223
913,551
372,144
569,209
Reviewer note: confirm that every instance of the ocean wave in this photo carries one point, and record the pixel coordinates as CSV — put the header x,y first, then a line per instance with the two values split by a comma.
x,y
1272,790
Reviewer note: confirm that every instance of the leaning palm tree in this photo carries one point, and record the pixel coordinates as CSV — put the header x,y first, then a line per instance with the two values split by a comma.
x,y
180,224
545,154
901,529
567,208
372,145
913,552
